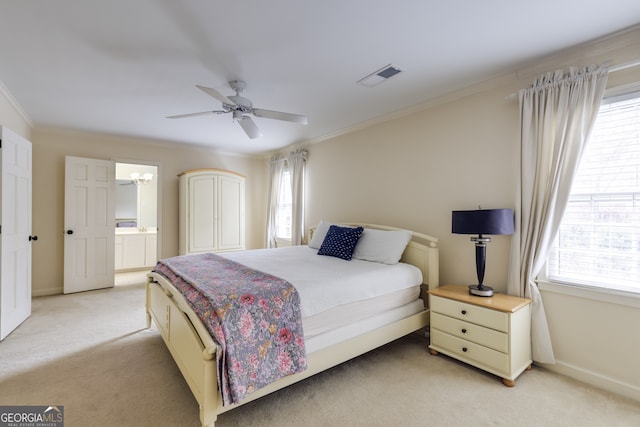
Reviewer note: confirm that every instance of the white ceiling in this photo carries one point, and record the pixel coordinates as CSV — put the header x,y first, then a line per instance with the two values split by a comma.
x,y
122,66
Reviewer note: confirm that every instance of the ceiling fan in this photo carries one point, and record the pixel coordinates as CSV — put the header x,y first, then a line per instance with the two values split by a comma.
x,y
240,107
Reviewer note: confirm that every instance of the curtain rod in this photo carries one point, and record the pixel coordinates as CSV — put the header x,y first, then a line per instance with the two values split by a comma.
x,y
624,66
612,69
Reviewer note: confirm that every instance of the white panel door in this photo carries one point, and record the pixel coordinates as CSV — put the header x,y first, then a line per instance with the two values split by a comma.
x,y
15,234
202,209
231,213
89,218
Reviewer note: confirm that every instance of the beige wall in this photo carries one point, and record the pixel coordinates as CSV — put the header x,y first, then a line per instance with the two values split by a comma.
x,y
413,171
460,153
49,151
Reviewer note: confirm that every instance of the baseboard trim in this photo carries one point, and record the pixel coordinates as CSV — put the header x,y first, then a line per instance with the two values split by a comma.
x,y
46,292
601,381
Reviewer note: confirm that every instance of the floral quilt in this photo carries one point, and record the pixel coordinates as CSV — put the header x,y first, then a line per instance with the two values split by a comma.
x,y
253,317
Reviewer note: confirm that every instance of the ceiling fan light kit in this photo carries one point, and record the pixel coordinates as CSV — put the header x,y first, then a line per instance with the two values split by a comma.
x,y
240,107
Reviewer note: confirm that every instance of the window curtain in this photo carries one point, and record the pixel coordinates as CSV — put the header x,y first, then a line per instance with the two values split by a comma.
x,y
297,162
557,114
277,166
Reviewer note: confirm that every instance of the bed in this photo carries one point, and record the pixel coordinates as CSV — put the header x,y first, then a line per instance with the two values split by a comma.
x,y
332,334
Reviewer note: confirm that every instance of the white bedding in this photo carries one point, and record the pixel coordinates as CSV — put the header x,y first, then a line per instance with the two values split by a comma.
x,y
324,282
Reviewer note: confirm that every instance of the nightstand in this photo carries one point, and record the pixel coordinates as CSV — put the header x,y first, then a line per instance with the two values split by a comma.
x,y
490,333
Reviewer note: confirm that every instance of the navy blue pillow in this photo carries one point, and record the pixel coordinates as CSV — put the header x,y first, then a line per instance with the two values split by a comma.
x,y
340,242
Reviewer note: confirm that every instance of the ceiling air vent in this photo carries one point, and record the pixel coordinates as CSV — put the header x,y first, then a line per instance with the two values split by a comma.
x,y
383,74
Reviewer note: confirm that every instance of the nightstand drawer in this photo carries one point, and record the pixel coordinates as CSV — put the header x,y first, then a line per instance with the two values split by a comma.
x,y
471,332
467,351
471,313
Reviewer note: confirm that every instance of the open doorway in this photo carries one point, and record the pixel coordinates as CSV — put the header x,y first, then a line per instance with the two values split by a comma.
x,y
137,222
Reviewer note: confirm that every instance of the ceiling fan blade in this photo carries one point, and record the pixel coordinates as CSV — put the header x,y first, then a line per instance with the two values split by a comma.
x,y
217,95
203,113
288,117
250,127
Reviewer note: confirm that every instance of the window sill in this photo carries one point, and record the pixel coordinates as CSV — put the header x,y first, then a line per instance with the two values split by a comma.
x,y
282,243
612,296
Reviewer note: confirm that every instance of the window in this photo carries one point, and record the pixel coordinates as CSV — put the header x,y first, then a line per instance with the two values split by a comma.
x,y
284,209
598,243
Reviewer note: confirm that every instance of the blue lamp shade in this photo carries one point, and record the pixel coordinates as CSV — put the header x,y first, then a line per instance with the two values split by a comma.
x,y
483,221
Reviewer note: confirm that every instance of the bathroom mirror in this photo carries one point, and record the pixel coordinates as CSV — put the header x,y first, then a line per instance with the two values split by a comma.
x,y
136,195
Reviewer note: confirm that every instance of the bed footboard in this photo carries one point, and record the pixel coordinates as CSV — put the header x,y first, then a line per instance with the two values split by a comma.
x,y
193,352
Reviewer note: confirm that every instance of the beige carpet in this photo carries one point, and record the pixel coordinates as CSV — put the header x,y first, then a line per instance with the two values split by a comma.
x,y
90,352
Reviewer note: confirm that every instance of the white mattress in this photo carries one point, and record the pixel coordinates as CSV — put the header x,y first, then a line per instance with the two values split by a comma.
x,y
354,329
325,282
345,314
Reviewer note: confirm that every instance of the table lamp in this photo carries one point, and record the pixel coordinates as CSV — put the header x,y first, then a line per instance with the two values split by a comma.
x,y
482,222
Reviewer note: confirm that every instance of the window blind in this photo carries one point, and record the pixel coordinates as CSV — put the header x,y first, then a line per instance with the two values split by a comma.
x,y
598,243
285,206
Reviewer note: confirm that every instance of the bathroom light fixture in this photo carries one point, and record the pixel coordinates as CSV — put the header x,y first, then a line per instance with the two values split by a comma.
x,y
141,178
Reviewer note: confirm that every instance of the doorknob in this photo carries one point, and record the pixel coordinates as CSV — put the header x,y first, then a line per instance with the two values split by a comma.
x,y
69,231
34,238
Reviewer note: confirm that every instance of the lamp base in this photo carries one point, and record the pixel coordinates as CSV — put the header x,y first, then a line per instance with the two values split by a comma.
x,y
480,290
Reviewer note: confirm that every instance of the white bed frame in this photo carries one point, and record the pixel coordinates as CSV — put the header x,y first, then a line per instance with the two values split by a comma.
x,y
194,351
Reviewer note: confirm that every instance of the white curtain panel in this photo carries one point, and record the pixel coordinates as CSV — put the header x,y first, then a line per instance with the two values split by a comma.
x,y
557,114
297,161
277,165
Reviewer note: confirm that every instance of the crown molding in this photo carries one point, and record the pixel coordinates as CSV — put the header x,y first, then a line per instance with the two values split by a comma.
x,y
4,90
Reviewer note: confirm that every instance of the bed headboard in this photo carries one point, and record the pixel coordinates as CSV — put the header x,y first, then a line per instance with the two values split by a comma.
x,y
422,251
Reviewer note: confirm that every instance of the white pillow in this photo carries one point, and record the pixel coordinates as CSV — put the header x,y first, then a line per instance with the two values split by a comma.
x,y
319,234
385,246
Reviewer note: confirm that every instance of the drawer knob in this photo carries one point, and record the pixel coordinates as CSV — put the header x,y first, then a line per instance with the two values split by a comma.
x,y
464,349
464,331
464,312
